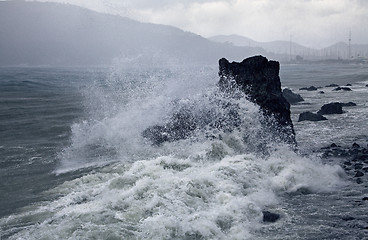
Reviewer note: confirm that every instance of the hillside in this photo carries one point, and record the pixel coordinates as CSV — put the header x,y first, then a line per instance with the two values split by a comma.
x,y
35,33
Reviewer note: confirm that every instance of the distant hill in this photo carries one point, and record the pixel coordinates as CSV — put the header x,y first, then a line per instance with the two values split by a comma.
x,y
276,47
283,49
35,33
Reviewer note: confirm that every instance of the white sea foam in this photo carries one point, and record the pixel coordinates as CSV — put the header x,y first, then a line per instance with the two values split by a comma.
x,y
174,198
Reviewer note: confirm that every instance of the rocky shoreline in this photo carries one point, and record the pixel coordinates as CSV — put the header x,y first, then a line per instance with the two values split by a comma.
x,y
354,160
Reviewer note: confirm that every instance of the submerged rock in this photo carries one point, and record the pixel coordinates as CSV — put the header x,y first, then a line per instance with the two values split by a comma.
x,y
291,97
347,218
342,88
309,116
259,79
333,85
359,174
348,104
270,217
311,88
331,108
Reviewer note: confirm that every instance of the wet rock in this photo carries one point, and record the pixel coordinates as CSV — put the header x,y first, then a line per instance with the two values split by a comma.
x,y
359,174
349,104
366,85
342,89
354,157
358,166
270,217
355,145
322,92
311,88
347,218
348,163
365,199
331,108
359,181
259,79
309,116
291,97
348,85
333,85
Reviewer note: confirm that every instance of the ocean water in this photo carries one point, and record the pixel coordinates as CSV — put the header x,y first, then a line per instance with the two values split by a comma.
x,y
74,164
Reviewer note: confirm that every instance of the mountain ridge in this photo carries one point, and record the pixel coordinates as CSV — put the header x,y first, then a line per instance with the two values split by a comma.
x,y
44,33
287,48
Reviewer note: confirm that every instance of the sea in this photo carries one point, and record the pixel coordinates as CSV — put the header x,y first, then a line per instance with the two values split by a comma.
x,y
74,164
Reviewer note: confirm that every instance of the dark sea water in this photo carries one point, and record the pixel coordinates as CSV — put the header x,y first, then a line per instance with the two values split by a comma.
x,y
73,163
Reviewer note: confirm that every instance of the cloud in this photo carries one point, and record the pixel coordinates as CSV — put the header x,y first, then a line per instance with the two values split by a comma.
x,y
311,22
315,23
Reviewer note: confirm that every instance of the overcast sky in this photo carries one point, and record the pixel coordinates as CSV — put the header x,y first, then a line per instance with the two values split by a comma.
x,y
313,23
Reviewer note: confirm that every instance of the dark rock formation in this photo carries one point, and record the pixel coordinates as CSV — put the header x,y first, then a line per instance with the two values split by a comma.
x,y
270,217
259,79
321,92
342,88
291,97
311,88
348,85
331,108
349,104
309,116
332,85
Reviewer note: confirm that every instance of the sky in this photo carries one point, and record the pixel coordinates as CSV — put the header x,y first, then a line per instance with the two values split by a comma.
x,y
312,23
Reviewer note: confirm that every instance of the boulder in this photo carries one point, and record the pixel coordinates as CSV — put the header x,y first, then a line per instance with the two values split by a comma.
x,y
291,97
331,108
359,174
349,104
311,88
309,116
332,85
270,217
259,79
342,88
